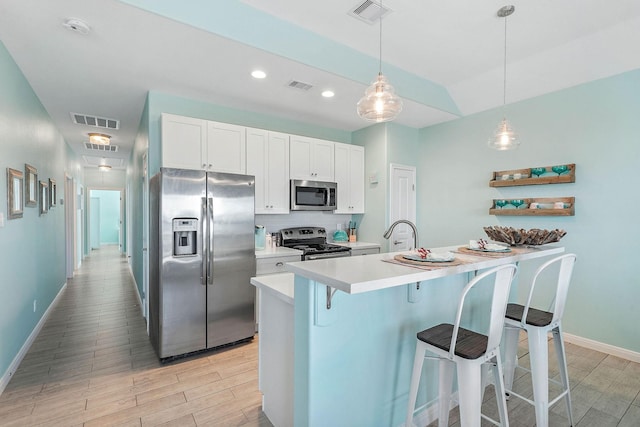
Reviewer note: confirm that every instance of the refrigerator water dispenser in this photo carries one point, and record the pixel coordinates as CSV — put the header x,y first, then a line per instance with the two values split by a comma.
x,y
184,236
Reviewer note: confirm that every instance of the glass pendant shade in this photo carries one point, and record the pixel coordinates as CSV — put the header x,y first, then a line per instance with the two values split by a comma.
x,y
504,138
379,103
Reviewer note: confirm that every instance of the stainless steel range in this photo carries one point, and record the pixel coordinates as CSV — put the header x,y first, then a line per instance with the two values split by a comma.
x,y
312,241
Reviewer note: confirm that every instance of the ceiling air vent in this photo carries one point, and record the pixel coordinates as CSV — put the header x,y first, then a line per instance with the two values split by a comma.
x,y
99,147
369,11
299,85
99,122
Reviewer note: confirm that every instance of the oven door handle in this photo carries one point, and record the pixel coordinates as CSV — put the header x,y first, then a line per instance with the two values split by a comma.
x,y
327,255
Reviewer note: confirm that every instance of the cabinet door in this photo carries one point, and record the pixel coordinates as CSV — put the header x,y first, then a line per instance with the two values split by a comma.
x,y
322,160
356,178
256,166
277,177
300,157
311,159
342,175
183,139
349,174
226,148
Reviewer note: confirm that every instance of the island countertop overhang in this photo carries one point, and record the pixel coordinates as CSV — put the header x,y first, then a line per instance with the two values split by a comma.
x,y
355,275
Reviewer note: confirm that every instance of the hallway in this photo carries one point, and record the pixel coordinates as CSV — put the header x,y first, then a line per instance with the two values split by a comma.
x,y
93,365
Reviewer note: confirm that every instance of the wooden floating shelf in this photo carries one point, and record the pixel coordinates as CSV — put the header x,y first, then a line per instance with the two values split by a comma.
x,y
528,178
567,210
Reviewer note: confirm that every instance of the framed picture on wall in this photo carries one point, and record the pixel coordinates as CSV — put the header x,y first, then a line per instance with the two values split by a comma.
x,y
15,193
53,192
44,197
31,185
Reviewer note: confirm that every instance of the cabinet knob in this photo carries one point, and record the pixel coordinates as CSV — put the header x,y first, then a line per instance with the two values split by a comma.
x,y
204,165
279,264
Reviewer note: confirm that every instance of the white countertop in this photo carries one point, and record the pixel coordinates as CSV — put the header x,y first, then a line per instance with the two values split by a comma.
x,y
280,285
277,251
358,245
369,273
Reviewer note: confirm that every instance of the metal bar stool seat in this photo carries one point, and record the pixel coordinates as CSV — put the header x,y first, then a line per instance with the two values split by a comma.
x,y
469,352
538,325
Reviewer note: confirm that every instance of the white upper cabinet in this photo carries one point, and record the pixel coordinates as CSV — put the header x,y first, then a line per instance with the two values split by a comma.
x,y
349,173
311,159
225,148
268,161
183,139
189,143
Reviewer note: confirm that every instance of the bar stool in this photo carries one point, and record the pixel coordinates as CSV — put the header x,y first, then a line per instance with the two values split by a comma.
x,y
538,324
467,350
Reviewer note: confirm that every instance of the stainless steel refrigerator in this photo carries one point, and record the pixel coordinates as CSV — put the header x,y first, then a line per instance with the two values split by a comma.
x,y
201,259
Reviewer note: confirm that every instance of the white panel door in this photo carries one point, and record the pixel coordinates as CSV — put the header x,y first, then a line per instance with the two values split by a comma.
x,y
403,206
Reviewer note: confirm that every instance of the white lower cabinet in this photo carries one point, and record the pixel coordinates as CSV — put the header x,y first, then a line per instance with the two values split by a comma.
x,y
367,251
268,161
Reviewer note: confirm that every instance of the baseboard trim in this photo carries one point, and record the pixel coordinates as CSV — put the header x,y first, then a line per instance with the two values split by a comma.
x,y
6,377
135,285
623,353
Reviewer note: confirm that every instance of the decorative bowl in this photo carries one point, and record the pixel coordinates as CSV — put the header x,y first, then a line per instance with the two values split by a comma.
x,y
517,237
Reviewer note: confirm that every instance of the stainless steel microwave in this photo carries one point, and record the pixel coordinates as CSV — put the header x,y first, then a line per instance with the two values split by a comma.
x,y
313,195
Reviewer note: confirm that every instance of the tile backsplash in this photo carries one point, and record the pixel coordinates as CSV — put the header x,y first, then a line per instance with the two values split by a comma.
x,y
329,221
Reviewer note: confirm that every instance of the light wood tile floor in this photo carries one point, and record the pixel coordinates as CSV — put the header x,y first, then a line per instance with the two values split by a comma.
x,y
605,391
93,365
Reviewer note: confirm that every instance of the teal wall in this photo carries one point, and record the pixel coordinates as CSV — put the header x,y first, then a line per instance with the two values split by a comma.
x,y
109,215
32,248
597,127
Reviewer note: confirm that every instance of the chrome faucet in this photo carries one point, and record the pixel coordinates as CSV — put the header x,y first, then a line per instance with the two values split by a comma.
x,y
387,233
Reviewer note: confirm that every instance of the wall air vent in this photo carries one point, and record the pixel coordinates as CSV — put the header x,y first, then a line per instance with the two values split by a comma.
x,y
369,11
99,122
299,85
99,147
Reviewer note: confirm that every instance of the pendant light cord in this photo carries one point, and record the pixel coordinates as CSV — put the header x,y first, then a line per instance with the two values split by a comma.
x,y
504,87
380,56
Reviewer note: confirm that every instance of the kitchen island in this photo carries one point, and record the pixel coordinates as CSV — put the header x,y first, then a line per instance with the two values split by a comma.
x,y
354,326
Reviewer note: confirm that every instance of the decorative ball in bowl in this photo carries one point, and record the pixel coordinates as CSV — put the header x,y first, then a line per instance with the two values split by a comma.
x,y
517,237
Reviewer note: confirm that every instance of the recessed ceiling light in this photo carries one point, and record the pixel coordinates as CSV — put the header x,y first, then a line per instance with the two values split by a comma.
x,y
258,74
328,94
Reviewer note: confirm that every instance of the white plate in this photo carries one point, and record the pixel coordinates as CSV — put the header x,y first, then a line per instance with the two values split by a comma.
x,y
448,257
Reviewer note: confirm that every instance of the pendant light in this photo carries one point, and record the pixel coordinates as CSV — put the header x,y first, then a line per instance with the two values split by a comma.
x,y
379,103
504,138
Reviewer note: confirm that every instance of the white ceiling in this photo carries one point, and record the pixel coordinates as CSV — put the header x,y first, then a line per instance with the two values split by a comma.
x,y
458,46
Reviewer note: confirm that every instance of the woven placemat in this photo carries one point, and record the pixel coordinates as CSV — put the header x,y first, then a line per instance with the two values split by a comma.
x,y
427,264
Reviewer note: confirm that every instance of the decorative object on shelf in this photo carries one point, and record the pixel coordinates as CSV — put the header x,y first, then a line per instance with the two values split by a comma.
x,y
538,171
501,203
379,103
504,138
562,174
516,237
560,169
31,185
15,193
539,206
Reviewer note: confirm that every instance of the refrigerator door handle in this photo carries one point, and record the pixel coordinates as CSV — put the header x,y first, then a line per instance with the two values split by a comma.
x,y
210,231
205,249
